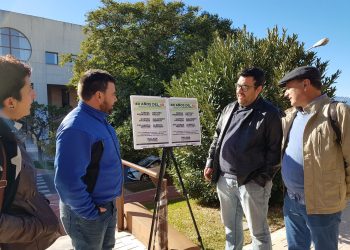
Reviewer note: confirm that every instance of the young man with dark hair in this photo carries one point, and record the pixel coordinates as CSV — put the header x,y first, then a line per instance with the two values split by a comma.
x,y
88,165
243,158
13,73
26,220
315,166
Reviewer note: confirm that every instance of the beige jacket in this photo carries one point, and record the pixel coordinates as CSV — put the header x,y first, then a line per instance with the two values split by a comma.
x,y
326,180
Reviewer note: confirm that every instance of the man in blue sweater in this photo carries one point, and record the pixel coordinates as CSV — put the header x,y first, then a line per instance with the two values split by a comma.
x,y
88,165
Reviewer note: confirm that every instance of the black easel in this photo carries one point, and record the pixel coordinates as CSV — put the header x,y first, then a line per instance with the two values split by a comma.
x,y
168,155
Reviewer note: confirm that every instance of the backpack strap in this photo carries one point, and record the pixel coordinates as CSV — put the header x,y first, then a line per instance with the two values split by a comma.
x,y
285,144
332,114
3,169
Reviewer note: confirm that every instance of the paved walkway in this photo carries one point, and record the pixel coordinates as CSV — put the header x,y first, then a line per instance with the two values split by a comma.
x,y
279,241
123,241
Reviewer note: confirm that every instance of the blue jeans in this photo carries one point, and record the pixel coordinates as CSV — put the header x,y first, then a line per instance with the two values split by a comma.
x,y
90,234
250,199
301,228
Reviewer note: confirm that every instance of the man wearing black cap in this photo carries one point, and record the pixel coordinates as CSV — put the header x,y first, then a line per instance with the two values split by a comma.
x,y
243,157
313,164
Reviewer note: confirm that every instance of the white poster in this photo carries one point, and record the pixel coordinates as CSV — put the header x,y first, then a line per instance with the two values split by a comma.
x,y
184,121
164,122
149,121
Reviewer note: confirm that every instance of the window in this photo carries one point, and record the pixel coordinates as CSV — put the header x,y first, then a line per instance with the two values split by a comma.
x,y
15,43
51,58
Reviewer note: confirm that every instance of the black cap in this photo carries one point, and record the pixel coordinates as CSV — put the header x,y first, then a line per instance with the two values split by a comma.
x,y
304,72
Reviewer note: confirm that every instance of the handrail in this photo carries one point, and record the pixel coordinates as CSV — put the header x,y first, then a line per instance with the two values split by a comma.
x,y
163,233
143,170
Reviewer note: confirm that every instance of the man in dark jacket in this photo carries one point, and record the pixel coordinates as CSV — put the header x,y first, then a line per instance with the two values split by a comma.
x,y
243,158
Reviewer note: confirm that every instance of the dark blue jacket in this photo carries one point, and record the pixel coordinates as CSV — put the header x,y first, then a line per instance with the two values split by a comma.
x,y
258,152
79,130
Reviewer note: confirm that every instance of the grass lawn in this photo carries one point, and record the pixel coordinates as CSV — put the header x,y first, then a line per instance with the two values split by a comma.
x,y
209,223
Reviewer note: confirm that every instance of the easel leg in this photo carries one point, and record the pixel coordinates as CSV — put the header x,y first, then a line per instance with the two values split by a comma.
x,y
186,196
158,192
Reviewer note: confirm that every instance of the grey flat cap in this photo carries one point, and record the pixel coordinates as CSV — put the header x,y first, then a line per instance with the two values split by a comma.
x,y
304,72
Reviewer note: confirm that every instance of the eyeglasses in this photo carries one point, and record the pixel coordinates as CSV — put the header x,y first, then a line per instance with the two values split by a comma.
x,y
243,87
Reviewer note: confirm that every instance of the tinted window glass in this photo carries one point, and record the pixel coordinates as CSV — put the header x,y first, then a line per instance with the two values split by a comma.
x,y
51,58
15,43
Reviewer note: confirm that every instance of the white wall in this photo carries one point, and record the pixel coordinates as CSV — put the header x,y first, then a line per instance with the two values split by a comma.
x,y
46,35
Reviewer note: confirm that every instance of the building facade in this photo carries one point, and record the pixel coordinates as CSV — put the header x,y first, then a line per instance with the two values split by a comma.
x,y
40,42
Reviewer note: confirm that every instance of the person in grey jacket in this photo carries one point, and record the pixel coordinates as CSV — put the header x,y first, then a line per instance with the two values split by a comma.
x,y
26,220
243,158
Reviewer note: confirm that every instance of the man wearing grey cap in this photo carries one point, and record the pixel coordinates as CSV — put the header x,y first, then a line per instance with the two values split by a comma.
x,y
314,164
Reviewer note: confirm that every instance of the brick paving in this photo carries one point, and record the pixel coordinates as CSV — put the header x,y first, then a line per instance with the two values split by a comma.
x,y
148,195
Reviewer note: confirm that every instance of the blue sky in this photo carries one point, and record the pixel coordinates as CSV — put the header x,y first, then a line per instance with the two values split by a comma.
x,y
311,20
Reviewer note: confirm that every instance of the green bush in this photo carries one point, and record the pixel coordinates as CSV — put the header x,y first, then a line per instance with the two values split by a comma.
x,y
277,190
126,143
191,165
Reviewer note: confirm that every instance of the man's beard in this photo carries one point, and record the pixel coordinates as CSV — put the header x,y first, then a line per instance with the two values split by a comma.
x,y
104,107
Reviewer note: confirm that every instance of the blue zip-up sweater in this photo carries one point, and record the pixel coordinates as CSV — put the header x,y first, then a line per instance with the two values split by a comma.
x,y
79,130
